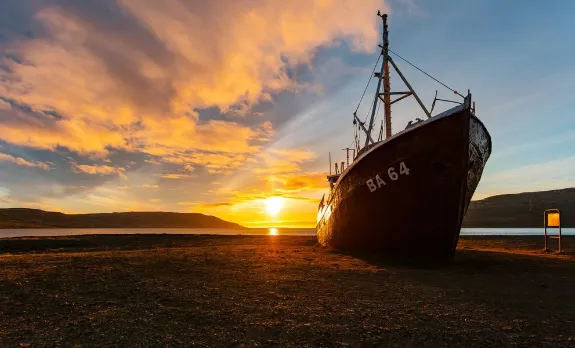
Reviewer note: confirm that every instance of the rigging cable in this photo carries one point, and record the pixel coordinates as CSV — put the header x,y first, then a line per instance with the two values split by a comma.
x,y
366,116
363,95
370,109
377,106
413,65
377,113
368,82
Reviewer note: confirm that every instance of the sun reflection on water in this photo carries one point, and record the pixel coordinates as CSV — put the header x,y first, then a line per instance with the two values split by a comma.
x,y
273,231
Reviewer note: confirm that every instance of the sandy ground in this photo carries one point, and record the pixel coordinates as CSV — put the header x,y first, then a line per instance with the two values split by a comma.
x,y
248,291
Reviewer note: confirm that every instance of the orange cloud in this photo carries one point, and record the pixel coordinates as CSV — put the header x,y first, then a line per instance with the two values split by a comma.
x,y
175,176
96,169
245,44
4,105
22,162
137,90
278,161
292,183
82,136
215,163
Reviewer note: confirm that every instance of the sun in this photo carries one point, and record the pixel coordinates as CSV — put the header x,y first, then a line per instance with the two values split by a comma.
x,y
274,205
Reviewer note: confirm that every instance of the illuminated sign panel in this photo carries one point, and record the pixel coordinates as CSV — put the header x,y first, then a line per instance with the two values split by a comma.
x,y
553,220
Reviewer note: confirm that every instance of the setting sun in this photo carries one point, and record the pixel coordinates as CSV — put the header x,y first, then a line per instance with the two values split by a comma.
x,y
274,205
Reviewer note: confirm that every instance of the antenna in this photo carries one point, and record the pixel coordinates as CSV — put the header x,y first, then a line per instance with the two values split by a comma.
x,y
330,163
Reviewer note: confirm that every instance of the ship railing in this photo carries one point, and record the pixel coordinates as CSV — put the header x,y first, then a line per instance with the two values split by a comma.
x,y
465,99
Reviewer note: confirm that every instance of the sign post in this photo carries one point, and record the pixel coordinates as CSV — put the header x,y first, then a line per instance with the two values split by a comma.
x,y
552,218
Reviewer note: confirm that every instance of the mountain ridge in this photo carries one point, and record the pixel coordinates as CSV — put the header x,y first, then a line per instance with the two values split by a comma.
x,y
37,218
521,210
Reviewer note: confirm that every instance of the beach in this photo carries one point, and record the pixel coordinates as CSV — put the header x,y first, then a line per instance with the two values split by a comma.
x,y
248,291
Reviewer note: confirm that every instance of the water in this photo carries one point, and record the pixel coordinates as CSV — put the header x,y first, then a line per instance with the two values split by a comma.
x,y
515,231
43,232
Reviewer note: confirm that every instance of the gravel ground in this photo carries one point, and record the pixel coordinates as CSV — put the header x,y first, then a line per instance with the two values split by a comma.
x,y
253,291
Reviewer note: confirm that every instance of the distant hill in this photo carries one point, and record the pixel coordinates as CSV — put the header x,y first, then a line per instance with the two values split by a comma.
x,y
509,210
35,218
521,210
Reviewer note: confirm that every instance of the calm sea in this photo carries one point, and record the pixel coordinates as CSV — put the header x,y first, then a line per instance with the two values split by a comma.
x,y
39,232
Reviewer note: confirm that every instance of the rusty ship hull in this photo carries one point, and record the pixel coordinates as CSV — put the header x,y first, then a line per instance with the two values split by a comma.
x,y
408,194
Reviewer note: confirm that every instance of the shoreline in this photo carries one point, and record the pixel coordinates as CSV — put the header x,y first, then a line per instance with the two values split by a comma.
x,y
242,291
310,232
507,242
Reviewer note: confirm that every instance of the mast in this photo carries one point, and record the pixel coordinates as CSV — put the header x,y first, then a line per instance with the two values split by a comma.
x,y
386,86
383,70
387,93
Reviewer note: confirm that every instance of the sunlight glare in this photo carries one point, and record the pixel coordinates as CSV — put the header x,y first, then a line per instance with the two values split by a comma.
x,y
273,231
274,205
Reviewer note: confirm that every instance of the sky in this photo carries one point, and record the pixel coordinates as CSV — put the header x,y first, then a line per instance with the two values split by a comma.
x,y
214,107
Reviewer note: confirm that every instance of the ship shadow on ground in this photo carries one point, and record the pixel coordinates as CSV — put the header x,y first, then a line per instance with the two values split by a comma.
x,y
464,260
497,281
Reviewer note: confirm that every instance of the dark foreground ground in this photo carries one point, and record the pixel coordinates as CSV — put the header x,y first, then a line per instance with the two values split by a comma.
x,y
248,291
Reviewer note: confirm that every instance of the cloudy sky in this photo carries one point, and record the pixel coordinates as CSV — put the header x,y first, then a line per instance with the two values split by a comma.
x,y
214,106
